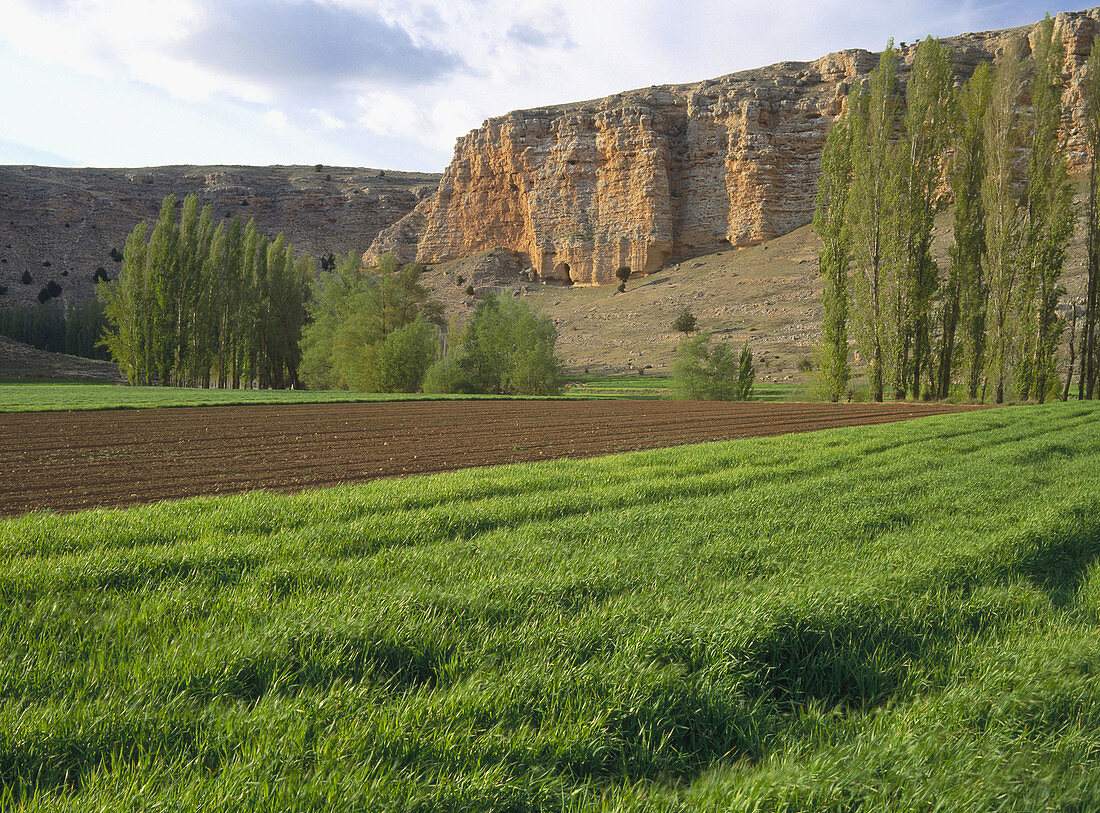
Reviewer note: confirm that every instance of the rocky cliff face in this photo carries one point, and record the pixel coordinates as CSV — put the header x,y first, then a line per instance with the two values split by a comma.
x,y
60,225
653,176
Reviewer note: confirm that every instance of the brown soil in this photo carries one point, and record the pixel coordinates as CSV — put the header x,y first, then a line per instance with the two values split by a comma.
x,y
72,460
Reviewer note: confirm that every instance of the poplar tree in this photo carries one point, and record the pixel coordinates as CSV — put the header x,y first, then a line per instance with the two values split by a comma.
x,y
966,294
1003,212
831,368
124,310
1048,223
162,281
928,112
873,215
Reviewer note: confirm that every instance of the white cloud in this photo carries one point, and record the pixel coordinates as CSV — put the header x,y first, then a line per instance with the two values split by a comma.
x,y
277,119
327,121
284,78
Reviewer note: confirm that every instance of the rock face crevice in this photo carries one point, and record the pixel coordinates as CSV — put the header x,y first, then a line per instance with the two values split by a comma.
x,y
658,175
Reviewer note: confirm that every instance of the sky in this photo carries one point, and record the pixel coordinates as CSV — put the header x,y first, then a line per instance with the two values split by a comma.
x,y
386,83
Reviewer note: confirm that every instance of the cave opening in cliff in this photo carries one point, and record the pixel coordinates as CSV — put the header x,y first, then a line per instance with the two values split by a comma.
x,y
562,275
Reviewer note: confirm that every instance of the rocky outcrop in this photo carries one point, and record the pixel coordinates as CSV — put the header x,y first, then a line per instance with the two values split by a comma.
x,y
66,226
658,175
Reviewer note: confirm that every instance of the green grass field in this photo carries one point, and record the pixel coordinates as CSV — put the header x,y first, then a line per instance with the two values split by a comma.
x,y
41,397
882,618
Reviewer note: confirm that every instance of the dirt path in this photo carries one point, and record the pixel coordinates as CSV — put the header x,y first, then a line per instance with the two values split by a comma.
x,y
71,460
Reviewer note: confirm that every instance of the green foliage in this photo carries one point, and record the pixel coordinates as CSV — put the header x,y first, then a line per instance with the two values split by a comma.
x,y
875,219
506,348
204,305
832,226
398,362
1048,225
835,621
359,320
967,296
685,323
929,112
74,329
746,374
711,372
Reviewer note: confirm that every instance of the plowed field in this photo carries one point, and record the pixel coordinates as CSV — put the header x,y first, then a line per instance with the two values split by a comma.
x,y
71,460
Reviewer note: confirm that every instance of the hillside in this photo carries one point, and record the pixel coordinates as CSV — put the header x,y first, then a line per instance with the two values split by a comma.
x,y
21,361
768,295
60,225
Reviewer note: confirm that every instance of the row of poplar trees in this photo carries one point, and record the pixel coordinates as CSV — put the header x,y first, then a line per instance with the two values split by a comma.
x,y
198,304
989,320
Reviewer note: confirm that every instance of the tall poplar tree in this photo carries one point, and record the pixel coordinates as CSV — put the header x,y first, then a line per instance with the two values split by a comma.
x,y
162,280
929,108
1003,212
966,294
1048,222
831,369
124,310
873,216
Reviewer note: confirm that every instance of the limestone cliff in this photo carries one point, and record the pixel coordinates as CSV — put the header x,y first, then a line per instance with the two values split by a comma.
x,y
657,175
60,225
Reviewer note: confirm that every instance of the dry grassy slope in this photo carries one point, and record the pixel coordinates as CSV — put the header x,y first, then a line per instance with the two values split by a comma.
x,y
19,360
768,295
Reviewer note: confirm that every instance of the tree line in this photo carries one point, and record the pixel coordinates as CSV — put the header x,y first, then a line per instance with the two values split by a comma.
x,y
74,329
202,305
896,158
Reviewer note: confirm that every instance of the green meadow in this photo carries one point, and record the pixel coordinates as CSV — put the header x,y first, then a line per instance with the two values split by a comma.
x,y
43,397
888,618
48,397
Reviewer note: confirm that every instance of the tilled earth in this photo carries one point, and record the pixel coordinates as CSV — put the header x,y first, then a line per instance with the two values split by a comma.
x,y
66,461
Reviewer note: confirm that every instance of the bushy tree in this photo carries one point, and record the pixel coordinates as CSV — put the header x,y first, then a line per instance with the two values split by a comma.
x,y
622,274
365,319
685,323
398,362
711,372
505,348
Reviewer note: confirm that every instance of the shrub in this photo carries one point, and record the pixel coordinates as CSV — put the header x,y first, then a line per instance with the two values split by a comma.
x,y
398,362
445,375
100,275
685,323
506,348
469,290
703,372
622,288
116,255
26,279
622,274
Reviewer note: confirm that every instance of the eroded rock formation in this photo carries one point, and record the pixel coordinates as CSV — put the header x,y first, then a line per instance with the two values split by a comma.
x,y
657,175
